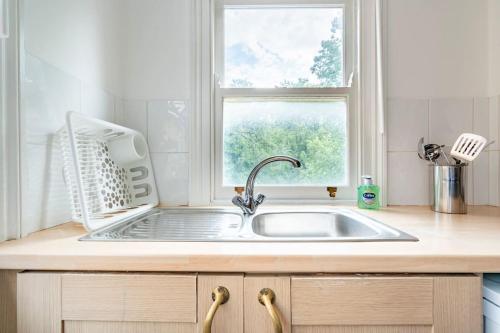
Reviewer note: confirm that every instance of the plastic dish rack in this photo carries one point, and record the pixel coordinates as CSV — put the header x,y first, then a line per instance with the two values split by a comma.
x,y
107,169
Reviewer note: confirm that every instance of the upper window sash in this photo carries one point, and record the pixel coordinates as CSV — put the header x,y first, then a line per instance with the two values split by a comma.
x,y
349,35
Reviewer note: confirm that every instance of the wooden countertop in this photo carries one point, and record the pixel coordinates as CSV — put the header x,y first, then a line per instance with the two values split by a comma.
x,y
448,244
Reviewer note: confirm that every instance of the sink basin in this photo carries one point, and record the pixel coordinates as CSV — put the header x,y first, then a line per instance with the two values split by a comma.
x,y
332,225
310,225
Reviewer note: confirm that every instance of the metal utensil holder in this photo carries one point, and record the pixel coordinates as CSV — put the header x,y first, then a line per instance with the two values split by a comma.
x,y
449,188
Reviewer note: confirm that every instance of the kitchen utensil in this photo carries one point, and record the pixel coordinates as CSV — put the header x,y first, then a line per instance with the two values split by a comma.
x,y
441,150
449,188
468,147
432,152
107,169
420,148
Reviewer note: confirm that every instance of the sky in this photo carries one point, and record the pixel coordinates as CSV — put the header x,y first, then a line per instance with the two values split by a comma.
x,y
269,45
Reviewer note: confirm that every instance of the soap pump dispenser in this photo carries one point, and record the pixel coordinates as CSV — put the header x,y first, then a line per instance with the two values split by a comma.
x,y
368,194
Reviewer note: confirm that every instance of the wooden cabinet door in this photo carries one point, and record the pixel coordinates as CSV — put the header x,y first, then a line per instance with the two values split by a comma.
x,y
229,316
178,303
106,303
386,304
257,317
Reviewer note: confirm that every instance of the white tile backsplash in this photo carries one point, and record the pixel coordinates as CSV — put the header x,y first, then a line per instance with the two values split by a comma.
x,y
494,169
481,177
45,202
494,122
480,167
470,185
408,120
171,175
118,115
445,119
47,94
97,103
167,126
494,154
481,120
448,118
135,116
408,179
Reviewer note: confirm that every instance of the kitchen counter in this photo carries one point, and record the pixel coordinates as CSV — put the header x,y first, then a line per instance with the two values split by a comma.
x,y
448,244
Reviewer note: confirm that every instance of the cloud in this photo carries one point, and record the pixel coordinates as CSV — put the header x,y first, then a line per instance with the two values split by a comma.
x,y
268,45
240,54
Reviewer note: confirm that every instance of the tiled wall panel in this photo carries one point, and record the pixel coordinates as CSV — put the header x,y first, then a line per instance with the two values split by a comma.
x,y
165,124
440,121
47,94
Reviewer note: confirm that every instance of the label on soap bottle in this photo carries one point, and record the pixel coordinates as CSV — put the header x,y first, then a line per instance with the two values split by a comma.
x,y
369,198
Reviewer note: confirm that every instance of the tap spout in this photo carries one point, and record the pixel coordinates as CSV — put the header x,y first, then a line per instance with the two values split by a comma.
x,y
248,204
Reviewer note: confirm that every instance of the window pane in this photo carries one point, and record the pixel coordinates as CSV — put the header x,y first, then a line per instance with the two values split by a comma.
x,y
314,130
283,47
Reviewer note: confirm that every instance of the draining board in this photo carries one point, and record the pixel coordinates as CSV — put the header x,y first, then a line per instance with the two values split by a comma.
x,y
174,225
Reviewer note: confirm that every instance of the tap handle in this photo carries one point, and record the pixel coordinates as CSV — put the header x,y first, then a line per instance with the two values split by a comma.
x,y
238,201
260,199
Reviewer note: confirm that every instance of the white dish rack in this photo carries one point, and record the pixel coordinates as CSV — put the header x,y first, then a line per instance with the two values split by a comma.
x,y
107,169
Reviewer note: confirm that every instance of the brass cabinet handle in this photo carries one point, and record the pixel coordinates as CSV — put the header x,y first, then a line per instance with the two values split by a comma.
x,y
220,295
266,297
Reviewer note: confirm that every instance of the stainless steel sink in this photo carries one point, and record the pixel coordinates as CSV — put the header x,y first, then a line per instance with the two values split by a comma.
x,y
329,225
318,225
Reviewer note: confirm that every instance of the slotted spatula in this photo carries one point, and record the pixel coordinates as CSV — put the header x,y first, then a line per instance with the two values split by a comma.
x,y
468,147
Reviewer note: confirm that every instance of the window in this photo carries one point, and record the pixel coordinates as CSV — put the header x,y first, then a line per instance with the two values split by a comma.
x,y
311,129
279,46
284,72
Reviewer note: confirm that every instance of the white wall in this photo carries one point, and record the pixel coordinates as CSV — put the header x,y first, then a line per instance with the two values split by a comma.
x,y
438,87
494,45
132,62
157,54
120,60
158,62
71,61
79,37
437,49
494,92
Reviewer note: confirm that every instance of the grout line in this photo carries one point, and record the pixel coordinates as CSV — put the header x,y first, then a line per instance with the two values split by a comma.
x,y
429,120
147,121
473,182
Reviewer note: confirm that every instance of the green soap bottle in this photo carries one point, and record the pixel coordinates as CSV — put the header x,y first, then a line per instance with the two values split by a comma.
x,y
368,194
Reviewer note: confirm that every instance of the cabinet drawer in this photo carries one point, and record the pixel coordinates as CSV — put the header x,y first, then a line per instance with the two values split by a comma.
x,y
129,297
362,300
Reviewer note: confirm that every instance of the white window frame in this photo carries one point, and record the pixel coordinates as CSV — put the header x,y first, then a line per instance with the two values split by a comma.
x,y
369,82
348,91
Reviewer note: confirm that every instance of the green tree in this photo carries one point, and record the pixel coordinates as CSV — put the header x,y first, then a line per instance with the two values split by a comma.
x,y
319,144
328,63
300,83
241,83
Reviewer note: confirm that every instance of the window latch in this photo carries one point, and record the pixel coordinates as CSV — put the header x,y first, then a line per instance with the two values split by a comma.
x,y
332,191
239,190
